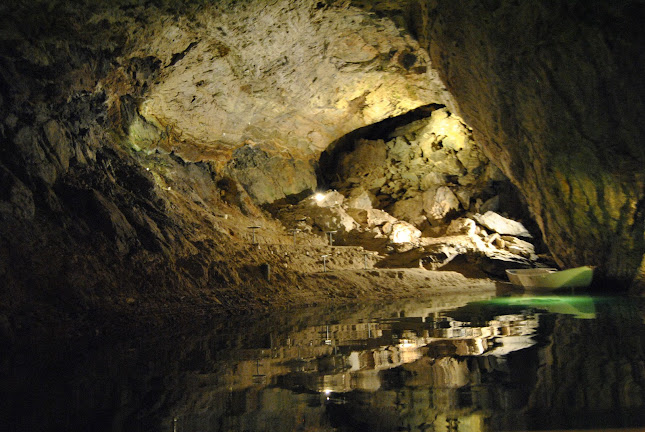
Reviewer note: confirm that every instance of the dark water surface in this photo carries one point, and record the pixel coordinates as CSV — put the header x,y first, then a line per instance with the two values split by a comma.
x,y
440,364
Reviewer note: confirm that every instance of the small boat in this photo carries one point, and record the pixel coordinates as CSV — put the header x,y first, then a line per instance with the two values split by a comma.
x,y
551,278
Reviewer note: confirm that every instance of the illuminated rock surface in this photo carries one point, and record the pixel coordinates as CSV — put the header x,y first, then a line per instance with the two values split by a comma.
x,y
140,139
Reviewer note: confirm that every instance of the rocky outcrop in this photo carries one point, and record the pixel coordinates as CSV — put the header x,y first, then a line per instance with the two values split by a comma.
x,y
482,249
425,170
268,178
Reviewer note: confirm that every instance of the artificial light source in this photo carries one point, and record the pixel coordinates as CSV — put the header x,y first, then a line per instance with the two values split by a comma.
x,y
407,344
402,234
319,196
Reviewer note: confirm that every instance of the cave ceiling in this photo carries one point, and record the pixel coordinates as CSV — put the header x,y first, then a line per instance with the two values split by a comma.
x,y
289,77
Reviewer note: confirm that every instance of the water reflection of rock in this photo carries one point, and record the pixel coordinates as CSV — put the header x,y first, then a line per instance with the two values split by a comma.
x,y
586,374
347,355
417,348
406,367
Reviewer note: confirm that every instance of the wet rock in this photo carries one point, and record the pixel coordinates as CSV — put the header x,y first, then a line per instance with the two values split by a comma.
x,y
501,225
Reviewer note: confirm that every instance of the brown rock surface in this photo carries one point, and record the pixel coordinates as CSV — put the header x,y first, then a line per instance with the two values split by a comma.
x,y
553,92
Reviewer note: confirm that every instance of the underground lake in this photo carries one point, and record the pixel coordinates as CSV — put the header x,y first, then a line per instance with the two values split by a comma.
x,y
442,363
212,212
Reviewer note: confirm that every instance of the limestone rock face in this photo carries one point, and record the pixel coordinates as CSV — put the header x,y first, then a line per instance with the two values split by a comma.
x,y
361,199
437,204
289,76
501,225
269,178
327,199
462,226
16,199
403,232
372,217
553,92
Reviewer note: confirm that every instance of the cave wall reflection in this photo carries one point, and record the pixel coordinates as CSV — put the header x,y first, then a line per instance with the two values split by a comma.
x,y
509,364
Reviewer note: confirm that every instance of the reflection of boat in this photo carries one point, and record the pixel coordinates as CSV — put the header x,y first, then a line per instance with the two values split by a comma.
x,y
550,278
582,307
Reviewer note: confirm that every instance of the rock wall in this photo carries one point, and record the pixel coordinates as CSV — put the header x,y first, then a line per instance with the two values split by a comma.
x,y
554,93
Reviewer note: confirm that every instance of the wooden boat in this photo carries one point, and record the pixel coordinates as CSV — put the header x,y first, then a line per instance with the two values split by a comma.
x,y
550,278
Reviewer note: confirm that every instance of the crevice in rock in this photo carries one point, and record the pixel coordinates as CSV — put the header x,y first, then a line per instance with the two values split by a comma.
x,y
178,56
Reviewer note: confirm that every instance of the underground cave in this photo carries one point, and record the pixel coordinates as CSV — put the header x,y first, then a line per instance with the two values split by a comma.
x,y
298,214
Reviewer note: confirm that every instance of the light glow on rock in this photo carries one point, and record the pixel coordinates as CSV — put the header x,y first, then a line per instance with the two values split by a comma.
x,y
402,234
